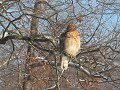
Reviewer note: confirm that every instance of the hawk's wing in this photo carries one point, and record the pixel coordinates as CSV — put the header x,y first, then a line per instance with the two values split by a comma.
x,y
64,58
62,41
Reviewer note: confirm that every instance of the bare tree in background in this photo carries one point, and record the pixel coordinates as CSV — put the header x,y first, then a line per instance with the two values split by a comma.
x,y
29,45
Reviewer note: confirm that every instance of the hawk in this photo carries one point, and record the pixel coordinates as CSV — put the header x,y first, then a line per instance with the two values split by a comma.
x,y
69,45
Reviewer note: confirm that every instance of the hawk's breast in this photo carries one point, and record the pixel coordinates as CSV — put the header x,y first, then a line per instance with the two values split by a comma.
x,y
72,43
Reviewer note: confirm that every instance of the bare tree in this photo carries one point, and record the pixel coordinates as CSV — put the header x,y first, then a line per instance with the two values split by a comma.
x,y
29,45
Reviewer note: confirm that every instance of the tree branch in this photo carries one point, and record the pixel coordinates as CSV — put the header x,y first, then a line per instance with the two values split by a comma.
x,y
39,38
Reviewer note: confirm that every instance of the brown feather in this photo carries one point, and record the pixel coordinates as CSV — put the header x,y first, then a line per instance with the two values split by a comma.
x,y
70,44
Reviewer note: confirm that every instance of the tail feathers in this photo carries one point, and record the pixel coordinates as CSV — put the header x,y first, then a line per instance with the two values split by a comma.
x,y
64,62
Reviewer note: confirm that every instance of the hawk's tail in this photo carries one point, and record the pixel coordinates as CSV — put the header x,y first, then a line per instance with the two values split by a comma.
x,y
64,62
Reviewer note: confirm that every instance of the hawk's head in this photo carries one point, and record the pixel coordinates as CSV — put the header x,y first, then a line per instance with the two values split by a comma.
x,y
71,27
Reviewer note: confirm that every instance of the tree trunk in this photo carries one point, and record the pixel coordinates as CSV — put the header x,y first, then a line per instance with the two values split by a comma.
x,y
27,85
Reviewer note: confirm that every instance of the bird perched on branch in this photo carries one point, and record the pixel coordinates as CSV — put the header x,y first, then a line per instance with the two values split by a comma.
x,y
69,45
